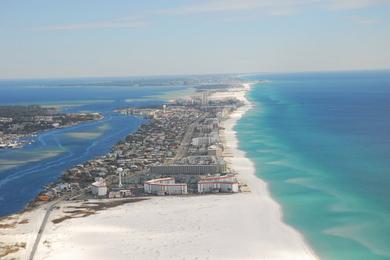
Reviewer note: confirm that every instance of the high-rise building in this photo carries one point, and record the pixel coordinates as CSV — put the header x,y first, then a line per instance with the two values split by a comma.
x,y
205,98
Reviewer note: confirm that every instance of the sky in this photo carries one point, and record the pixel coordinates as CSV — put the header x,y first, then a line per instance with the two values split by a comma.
x,y
89,38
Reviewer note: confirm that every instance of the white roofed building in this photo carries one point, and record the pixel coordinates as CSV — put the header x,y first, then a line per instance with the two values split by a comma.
x,y
99,187
165,186
225,183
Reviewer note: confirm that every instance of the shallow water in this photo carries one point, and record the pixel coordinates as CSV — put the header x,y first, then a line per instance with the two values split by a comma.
x,y
23,172
322,143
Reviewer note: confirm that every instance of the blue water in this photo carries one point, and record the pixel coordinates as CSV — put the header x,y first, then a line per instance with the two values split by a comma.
x,y
23,172
322,142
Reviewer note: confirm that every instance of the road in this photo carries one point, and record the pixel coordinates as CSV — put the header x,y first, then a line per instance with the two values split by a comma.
x,y
186,141
42,228
44,222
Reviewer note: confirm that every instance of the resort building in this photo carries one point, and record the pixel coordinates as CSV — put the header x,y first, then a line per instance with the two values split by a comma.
x,y
188,169
214,150
204,98
226,183
208,139
165,186
99,187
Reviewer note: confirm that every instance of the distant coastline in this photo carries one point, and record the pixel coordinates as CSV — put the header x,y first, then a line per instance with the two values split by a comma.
x,y
20,124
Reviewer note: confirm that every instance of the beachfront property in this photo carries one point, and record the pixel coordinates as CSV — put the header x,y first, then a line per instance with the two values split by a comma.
x,y
188,169
179,140
135,155
99,187
165,186
208,139
199,155
214,150
226,183
119,193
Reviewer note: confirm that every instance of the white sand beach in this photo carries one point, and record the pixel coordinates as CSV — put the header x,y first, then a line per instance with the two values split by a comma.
x,y
247,225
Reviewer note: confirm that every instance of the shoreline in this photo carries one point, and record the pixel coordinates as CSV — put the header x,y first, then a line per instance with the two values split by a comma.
x,y
247,225
247,169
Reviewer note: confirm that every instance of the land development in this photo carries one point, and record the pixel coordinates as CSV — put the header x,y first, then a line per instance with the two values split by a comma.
x,y
18,123
177,188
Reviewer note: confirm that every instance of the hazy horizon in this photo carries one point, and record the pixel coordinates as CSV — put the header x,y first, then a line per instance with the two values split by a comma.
x,y
194,75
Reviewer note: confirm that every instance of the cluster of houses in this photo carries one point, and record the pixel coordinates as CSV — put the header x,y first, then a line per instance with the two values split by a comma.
x,y
24,121
177,151
202,161
58,190
99,188
157,141
10,140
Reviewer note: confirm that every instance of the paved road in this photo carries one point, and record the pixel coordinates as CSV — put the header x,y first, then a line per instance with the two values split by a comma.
x,y
42,228
44,222
185,143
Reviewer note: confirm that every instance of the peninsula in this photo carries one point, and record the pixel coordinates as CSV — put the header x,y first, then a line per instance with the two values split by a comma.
x,y
179,184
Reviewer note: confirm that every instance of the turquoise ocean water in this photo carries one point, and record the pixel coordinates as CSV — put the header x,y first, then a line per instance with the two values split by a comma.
x,y
322,143
320,140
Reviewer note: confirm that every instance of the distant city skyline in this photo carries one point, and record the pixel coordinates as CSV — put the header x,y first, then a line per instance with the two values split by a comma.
x,y
98,38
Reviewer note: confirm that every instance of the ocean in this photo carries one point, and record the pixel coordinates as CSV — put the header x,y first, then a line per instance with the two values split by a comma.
x,y
322,143
320,140
25,171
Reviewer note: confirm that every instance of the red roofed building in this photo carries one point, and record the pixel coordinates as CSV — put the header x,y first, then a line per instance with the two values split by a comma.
x,y
165,186
225,183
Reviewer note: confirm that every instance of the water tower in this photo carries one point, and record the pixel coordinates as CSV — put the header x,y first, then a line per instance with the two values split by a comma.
x,y
120,173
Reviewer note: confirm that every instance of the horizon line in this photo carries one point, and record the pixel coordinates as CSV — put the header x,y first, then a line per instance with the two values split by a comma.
x,y
195,74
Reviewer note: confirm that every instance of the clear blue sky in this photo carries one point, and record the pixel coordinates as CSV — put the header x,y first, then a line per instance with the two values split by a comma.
x,y
80,38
